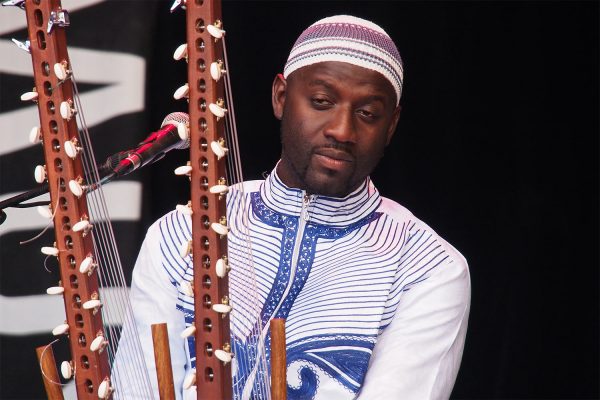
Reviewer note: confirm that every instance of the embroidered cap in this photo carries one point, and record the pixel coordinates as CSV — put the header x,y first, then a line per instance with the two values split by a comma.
x,y
348,39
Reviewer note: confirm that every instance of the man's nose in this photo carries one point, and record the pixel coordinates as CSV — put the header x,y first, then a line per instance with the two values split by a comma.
x,y
340,126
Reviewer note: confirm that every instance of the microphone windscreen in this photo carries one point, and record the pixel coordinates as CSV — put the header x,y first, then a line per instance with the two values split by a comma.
x,y
176,118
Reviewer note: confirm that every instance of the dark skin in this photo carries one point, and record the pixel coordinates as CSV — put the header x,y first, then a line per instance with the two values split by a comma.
x,y
336,120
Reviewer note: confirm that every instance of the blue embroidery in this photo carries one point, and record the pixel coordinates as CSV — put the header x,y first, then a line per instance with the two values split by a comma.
x,y
324,352
309,383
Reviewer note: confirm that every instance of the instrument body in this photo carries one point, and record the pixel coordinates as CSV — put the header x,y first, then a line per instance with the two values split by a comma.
x,y
213,377
48,49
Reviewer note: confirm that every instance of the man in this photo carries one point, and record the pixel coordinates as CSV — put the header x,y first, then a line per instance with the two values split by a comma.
x,y
376,303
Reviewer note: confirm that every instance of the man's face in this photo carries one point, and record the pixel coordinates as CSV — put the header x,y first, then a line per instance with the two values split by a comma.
x,y
336,119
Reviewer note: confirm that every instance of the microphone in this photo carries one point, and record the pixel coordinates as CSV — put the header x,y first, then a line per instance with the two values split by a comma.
x,y
152,149
156,145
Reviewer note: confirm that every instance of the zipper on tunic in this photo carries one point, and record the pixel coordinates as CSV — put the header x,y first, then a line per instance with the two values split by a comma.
x,y
306,199
302,221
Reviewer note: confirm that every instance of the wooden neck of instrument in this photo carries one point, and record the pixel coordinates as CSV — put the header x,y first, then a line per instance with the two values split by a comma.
x,y
213,377
48,49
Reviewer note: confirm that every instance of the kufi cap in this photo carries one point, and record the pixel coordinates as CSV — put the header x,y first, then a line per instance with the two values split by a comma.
x,y
351,40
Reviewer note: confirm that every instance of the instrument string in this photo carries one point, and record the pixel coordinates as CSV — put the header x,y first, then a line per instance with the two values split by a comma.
x,y
49,345
102,251
116,306
48,226
255,339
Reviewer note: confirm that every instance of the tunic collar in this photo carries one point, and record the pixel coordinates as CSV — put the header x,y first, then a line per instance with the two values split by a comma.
x,y
334,211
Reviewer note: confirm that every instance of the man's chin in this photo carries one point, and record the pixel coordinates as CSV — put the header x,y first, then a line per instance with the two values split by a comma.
x,y
330,185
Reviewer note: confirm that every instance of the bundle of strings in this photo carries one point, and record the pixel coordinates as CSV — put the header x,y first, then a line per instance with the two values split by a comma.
x,y
245,321
352,40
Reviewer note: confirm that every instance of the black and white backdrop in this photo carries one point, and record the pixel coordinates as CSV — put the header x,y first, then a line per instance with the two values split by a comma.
x,y
497,150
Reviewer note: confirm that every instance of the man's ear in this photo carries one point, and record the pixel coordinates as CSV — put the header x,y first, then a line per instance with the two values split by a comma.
x,y
278,93
393,124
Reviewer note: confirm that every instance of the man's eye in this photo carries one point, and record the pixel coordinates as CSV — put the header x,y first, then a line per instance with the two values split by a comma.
x,y
367,114
320,102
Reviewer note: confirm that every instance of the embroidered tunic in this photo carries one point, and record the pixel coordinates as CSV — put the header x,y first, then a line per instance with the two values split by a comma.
x,y
375,302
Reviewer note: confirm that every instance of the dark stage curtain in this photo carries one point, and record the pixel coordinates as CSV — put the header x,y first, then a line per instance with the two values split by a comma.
x,y
497,150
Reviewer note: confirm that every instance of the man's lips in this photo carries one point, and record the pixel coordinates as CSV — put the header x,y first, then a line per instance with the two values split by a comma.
x,y
335,154
333,159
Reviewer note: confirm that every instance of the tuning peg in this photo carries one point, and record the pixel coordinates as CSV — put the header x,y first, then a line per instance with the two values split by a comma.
x,y
39,173
215,30
25,46
76,187
190,379
185,209
50,251
83,226
45,211
217,109
220,227
104,389
220,188
66,110
183,130
187,332
61,70
72,148
99,343
218,148
55,290
60,329
222,267
180,52
182,92
223,307
93,304
88,265
217,70
224,354
185,249
35,135
30,96
184,170
66,369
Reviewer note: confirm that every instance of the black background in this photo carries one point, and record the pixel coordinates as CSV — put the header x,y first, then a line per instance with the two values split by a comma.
x,y
496,149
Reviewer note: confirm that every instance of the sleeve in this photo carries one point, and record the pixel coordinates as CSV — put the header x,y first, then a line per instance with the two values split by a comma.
x,y
153,300
417,356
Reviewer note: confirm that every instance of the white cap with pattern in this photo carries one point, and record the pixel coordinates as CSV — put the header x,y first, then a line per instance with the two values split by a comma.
x,y
351,40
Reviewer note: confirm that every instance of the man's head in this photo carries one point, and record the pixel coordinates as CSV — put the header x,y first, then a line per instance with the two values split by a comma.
x,y
338,102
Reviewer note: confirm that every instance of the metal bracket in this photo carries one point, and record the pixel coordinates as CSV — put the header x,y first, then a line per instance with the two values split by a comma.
x,y
176,4
25,46
16,3
58,18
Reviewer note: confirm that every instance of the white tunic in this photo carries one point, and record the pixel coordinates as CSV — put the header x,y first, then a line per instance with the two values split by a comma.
x,y
376,303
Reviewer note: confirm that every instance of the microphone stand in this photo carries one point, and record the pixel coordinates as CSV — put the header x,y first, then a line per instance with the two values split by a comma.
x,y
17,201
